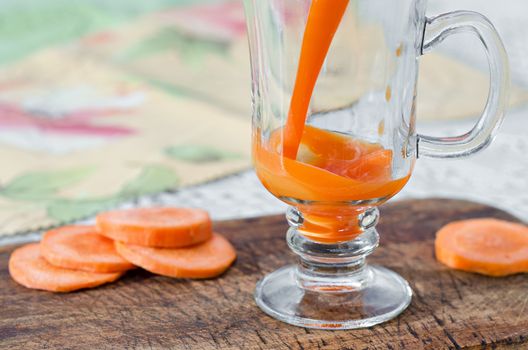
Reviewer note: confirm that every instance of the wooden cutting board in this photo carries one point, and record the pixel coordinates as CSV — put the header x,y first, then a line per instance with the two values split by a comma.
x,y
450,310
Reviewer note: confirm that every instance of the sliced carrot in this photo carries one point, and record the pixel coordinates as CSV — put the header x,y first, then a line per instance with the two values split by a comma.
x,y
28,268
82,248
487,246
205,260
156,227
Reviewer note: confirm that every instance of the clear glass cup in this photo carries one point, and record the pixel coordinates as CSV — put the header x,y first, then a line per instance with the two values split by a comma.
x,y
358,146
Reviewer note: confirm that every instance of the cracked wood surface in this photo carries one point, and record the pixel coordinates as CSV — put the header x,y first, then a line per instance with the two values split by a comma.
x,y
450,310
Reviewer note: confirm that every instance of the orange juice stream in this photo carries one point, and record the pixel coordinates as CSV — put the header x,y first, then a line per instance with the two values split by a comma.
x,y
325,174
323,20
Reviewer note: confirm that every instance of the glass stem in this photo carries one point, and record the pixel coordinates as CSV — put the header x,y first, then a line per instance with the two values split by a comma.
x,y
334,268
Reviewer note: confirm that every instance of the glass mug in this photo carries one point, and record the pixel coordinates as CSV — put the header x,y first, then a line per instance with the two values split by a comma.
x,y
357,146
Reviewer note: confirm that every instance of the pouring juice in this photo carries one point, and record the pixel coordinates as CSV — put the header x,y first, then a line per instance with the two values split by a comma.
x,y
325,174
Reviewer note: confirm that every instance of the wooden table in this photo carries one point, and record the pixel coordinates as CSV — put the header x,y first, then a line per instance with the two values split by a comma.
x,y
450,310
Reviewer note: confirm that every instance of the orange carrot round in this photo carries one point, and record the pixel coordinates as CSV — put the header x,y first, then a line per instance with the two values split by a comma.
x,y
205,260
28,268
156,227
487,246
82,248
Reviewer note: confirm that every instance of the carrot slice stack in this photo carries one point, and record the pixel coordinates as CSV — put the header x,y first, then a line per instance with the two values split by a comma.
x,y
156,227
28,268
82,248
487,246
205,260
175,242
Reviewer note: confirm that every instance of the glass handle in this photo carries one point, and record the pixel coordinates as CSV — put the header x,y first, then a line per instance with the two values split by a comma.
x,y
436,30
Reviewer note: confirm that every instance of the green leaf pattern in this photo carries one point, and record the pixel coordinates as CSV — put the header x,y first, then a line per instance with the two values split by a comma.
x,y
152,179
30,25
43,185
199,154
43,188
64,210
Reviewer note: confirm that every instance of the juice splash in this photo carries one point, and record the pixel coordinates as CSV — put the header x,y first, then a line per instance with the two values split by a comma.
x,y
323,20
331,168
334,178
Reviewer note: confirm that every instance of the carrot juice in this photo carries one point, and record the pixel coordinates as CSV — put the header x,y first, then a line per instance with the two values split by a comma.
x,y
333,179
322,23
330,177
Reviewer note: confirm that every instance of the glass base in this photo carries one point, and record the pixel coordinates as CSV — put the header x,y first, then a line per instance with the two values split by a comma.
x,y
382,296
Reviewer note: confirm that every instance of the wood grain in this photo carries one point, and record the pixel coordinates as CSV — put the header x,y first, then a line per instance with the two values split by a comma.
x,y
450,310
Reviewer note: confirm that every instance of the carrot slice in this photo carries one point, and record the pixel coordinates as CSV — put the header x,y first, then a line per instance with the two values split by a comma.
x,y
82,248
488,246
28,268
206,260
156,227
